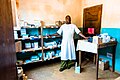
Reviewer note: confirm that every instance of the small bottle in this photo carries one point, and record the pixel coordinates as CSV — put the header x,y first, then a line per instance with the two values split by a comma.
x,y
32,44
46,36
23,76
26,78
99,40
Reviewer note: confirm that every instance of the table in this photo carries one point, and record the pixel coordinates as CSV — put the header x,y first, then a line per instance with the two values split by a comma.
x,y
83,45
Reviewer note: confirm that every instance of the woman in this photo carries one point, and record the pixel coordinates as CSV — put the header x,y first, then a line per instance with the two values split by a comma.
x,y
67,31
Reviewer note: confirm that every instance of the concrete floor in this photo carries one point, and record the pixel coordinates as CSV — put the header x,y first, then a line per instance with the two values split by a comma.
x,y
50,71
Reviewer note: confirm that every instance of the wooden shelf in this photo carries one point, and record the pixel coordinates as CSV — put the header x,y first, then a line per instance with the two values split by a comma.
x,y
53,26
40,40
33,62
45,48
52,58
31,49
51,37
37,61
29,38
30,27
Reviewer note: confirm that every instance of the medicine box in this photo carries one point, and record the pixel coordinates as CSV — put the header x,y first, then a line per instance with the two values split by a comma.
x,y
77,68
18,46
103,64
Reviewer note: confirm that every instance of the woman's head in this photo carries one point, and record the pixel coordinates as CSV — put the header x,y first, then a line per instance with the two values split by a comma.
x,y
68,19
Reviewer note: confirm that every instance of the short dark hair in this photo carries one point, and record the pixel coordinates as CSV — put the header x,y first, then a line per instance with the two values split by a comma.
x,y
69,17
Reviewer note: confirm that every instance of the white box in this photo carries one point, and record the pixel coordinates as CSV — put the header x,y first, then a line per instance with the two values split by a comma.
x,y
35,44
77,69
103,64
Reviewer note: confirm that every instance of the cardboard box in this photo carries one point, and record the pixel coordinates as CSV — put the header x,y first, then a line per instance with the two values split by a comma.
x,y
18,46
103,64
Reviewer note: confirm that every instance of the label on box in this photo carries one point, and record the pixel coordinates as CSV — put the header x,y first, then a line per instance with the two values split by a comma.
x,y
109,55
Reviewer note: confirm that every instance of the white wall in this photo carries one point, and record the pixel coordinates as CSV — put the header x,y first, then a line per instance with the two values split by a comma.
x,y
49,10
110,13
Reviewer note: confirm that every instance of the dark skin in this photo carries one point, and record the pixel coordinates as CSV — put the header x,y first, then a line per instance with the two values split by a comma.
x,y
68,21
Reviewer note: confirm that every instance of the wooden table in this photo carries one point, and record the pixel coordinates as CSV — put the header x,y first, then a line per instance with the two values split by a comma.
x,y
83,45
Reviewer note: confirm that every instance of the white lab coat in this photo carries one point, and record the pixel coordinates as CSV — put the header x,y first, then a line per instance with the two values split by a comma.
x,y
67,46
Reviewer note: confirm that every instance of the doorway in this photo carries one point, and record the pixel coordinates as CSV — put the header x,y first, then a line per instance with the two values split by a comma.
x,y
92,20
91,24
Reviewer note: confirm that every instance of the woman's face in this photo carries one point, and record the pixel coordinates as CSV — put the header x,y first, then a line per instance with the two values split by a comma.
x,y
68,20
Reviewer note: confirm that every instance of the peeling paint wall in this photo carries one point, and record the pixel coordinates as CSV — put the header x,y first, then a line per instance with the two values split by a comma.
x,y
50,10
110,12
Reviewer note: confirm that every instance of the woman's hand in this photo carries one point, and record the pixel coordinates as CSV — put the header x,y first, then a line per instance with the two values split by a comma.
x,y
86,38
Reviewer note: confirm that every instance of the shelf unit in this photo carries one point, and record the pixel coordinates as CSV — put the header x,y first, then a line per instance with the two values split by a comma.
x,y
33,45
